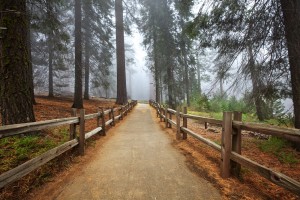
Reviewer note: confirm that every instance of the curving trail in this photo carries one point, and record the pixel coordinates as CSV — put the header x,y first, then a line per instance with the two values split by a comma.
x,y
138,162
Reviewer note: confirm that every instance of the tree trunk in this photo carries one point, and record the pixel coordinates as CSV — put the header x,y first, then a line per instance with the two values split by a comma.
x,y
50,65
291,15
198,75
15,95
30,71
221,87
87,51
255,78
170,76
156,68
186,77
121,72
185,62
78,102
157,84
87,69
50,53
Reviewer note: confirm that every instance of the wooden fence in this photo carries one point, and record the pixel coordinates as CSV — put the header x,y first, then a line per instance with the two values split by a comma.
x,y
114,114
231,140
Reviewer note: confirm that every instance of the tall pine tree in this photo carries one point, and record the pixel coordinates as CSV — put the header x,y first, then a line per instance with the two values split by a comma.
x,y
15,95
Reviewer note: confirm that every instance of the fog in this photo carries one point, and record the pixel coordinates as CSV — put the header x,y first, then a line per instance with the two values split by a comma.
x,y
139,83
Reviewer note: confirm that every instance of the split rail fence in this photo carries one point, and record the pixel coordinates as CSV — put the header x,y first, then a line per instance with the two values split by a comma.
x,y
231,140
113,114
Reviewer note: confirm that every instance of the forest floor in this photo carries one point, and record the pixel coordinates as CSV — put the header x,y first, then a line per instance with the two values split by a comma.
x,y
275,154
18,149
201,159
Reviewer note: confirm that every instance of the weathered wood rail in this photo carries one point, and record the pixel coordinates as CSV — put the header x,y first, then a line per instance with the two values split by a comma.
x,y
17,129
230,148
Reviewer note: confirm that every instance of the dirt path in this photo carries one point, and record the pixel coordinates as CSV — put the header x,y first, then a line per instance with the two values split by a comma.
x,y
138,162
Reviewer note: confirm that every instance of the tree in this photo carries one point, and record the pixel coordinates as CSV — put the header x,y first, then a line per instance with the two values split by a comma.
x,y
98,47
15,95
87,39
157,26
184,11
50,39
150,30
121,72
50,47
291,19
256,84
30,71
234,27
78,101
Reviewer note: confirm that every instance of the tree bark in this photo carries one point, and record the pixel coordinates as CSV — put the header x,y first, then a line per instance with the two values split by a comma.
x,y
170,76
50,53
30,71
121,72
291,16
87,52
185,62
221,87
87,69
156,68
15,95
186,77
78,102
50,66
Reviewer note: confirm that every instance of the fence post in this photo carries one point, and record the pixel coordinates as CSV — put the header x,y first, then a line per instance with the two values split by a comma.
x,y
112,117
178,135
103,122
124,108
205,125
157,108
160,113
81,132
226,144
98,118
121,113
184,135
73,126
166,117
236,144
127,108
170,117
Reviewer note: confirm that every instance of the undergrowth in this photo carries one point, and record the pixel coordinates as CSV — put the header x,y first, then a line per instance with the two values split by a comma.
x,y
19,149
279,147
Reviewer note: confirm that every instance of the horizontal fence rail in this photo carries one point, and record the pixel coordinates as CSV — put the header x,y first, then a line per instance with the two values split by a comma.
x,y
230,148
286,133
75,141
17,129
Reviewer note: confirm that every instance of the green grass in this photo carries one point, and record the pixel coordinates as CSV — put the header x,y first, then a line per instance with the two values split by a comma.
x,y
205,114
274,145
288,157
277,146
219,115
18,149
246,117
